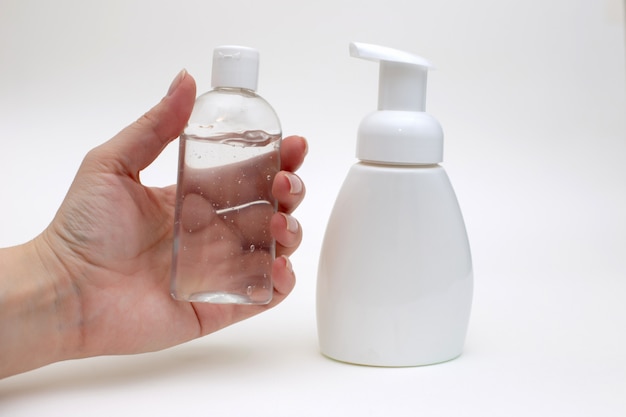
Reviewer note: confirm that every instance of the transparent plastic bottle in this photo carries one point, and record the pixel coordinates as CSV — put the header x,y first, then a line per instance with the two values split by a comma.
x,y
229,154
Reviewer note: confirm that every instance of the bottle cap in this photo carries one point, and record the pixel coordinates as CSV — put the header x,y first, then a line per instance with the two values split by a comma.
x,y
400,132
235,67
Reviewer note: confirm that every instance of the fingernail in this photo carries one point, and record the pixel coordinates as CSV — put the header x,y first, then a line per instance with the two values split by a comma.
x,y
179,78
292,223
295,184
288,264
306,147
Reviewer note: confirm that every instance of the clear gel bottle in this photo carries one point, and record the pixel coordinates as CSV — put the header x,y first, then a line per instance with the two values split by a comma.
x,y
229,154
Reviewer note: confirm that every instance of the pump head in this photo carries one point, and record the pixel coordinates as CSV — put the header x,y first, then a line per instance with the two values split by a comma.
x,y
400,132
402,78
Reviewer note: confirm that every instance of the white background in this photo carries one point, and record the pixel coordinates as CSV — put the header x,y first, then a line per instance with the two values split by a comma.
x,y
531,95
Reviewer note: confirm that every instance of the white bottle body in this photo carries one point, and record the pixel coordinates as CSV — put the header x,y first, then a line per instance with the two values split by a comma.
x,y
229,154
395,276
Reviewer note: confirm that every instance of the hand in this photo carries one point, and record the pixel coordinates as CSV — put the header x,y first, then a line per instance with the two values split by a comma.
x,y
108,251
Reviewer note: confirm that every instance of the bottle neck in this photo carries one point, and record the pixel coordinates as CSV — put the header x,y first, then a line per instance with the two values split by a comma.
x,y
235,90
397,137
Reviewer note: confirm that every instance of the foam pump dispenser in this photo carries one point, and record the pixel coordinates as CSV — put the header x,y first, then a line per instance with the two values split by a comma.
x,y
228,157
395,275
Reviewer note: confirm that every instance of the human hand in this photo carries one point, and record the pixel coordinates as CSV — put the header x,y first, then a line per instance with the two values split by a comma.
x,y
109,247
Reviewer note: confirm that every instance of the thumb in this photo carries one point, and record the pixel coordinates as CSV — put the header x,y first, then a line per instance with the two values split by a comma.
x,y
139,144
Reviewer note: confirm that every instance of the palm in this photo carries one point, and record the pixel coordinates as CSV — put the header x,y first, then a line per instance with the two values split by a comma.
x,y
120,233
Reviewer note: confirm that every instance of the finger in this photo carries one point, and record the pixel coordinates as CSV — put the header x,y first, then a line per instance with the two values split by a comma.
x,y
284,279
293,149
288,233
138,145
289,191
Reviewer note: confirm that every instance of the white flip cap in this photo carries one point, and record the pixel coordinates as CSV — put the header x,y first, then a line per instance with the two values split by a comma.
x,y
235,67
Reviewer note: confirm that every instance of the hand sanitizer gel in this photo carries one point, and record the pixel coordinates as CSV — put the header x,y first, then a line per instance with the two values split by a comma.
x,y
395,271
228,157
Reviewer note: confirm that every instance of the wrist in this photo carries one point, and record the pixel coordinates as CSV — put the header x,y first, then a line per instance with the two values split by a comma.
x,y
39,308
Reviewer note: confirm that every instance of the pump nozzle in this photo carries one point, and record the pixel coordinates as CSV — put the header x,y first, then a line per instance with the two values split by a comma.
x,y
400,132
402,77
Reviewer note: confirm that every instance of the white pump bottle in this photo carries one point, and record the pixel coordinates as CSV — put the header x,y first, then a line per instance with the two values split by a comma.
x,y
395,273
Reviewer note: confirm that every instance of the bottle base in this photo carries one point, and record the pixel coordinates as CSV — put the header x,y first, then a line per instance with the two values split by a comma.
x,y
393,363
222,298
